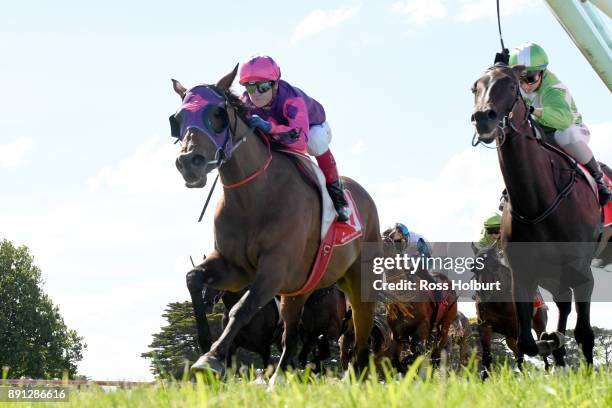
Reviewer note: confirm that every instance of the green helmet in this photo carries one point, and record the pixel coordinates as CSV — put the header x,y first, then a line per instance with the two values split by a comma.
x,y
492,221
531,55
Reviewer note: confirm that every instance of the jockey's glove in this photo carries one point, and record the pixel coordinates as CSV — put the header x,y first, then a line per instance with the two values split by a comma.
x,y
257,122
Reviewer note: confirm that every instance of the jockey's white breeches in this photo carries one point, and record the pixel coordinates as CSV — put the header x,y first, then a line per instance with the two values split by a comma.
x,y
574,140
319,138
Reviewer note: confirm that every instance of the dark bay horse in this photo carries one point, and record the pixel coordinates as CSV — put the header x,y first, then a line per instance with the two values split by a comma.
x,y
321,324
421,322
267,224
258,335
551,223
496,313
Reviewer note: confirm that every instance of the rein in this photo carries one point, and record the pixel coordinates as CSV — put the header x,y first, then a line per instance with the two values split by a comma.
x,y
219,163
243,139
505,123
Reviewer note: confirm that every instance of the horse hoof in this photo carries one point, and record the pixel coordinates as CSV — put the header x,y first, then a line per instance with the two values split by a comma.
x,y
559,339
484,375
210,364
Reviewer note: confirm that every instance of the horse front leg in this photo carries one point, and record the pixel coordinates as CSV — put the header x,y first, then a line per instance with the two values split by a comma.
x,y
195,284
220,274
563,300
524,291
584,332
485,332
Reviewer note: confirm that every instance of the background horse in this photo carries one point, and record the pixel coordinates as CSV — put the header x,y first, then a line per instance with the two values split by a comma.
x,y
496,313
258,336
267,223
381,342
423,322
321,323
549,203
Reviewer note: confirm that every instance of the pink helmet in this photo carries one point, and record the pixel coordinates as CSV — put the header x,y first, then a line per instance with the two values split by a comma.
x,y
259,68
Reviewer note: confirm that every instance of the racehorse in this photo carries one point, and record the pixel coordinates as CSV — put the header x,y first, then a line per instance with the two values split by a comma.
x,y
413,320
258,335
381,342
321,323
551,207
267,224
497,314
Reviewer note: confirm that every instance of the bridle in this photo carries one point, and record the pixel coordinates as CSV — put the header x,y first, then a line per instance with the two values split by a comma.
x,y
506,123
242,139
232,140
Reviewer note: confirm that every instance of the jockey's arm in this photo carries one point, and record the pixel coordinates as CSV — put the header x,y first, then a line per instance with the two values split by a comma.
x,y
555,112
296,113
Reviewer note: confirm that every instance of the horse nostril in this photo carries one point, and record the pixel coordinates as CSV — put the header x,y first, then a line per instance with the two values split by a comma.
x,y
198,160
473,118
491,114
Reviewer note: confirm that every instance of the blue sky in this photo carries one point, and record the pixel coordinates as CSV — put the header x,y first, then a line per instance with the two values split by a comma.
x,y
87,164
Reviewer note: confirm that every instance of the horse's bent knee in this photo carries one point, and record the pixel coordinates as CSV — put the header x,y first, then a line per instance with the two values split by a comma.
x,y
195,280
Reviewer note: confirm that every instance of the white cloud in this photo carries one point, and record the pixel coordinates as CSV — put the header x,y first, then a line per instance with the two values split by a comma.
x,y
475,9
320,20
12,153
421,11
450,207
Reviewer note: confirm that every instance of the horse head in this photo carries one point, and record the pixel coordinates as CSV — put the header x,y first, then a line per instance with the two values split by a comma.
x,y
394,240
495,95
206,124
491,268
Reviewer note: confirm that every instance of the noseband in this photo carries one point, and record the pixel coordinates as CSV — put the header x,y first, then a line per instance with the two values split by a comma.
x,y
506,122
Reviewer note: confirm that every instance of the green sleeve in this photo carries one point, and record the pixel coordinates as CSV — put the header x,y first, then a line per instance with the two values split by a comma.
x,y
556,113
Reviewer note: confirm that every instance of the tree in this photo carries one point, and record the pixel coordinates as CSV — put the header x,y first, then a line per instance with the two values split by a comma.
x,y
175,343
34,340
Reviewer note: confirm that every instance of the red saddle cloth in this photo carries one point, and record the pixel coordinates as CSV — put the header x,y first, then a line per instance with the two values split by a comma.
x,y
538,301
339,233
449,296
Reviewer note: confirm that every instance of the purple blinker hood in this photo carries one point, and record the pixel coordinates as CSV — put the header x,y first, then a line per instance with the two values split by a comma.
x,y
204,109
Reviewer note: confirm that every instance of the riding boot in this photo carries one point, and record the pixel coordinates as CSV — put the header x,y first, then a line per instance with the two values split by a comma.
x,y
336,192
327,164
605,194
503,199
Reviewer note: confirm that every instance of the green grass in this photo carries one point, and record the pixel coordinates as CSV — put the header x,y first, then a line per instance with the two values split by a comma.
x,y
420,387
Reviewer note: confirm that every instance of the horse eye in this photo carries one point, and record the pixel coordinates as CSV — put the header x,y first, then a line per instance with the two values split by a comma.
x,y
217,119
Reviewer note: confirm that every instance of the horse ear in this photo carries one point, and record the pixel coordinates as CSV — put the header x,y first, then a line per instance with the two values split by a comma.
x,y
474,248
226,82
178,88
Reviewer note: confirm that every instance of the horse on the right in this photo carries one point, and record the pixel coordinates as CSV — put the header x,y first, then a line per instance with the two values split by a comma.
x,y
551,224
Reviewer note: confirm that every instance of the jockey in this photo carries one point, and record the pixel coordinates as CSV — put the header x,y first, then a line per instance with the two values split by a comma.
x,y
552,106
292,118
417,244
414,242
490,231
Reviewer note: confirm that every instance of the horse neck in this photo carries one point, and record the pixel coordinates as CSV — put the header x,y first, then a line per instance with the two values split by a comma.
x,y
246,160
524,165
